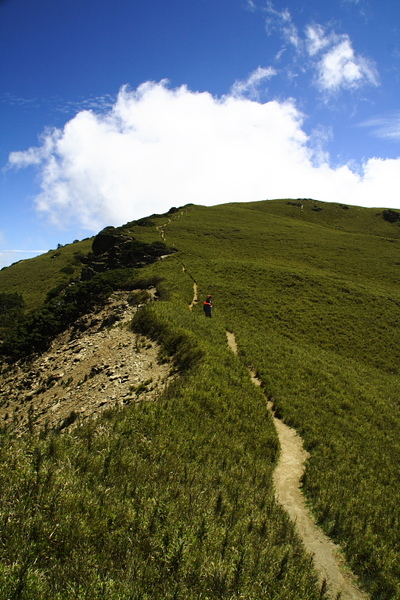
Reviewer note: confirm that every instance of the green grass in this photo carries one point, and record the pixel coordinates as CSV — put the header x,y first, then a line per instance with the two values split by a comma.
x,y
316,313
174,499
171,499
34,278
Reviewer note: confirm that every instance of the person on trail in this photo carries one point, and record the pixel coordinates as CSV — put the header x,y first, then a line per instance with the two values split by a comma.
x,y
208,306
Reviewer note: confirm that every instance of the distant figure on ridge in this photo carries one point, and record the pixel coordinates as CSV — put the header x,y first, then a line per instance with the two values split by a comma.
x,y
208,306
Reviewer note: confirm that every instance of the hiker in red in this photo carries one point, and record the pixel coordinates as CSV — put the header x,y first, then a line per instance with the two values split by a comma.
x,y
208,306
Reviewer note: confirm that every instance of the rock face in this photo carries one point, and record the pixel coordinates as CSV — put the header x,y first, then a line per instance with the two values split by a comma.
x,y
107,239
391,216
97,364
112,250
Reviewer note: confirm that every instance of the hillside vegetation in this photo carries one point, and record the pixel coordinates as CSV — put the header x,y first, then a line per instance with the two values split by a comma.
x,y
174,499
35,277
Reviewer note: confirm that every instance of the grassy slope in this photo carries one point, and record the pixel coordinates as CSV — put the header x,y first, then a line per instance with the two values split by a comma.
x,y
314,300
177,496
35,277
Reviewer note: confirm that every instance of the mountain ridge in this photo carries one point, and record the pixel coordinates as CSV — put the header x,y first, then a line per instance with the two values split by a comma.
x,y
315,311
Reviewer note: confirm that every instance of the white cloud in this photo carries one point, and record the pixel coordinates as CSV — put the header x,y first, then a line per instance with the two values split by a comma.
x,y
161,147
250,86
251,5
316,39
386,127
318,141
33,156
283,21
330,55
337,65
340,68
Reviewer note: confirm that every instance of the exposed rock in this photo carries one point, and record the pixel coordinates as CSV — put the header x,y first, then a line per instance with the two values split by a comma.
x,y
391,216
107,239
111,250
86,371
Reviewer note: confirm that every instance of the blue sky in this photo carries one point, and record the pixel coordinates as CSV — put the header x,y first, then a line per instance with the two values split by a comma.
x,y
110,111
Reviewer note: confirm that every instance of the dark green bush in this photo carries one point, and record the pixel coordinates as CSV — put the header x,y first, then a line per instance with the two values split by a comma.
x,y
65,304
11,311
69,269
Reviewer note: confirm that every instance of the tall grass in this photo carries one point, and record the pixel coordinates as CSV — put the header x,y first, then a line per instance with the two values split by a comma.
x,y
315,311
174,499
171,499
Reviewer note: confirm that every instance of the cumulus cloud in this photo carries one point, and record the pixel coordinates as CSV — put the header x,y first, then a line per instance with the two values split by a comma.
x,y
160,147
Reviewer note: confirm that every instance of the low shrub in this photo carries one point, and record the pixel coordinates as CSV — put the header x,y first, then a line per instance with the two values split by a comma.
x,y
181,345
34,333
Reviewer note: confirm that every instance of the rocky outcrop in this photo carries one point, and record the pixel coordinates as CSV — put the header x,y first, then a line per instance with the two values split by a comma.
x,y
112,250
108,238
391,216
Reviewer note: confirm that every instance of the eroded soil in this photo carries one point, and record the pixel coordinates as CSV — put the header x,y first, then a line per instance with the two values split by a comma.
x,y
97,364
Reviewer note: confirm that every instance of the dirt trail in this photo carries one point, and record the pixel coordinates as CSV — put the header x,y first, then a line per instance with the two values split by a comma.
x,y
195,296
195,299
195,289
328,561
334,577
161,230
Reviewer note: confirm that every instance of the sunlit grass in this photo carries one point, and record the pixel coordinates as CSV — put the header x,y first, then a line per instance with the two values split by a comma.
x,y
174,499
35,277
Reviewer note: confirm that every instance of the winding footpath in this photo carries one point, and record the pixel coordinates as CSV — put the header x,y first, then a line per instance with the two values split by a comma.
x,y
333,575
195,289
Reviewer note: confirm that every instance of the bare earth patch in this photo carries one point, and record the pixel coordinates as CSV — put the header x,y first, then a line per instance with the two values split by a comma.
x,y
97,364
